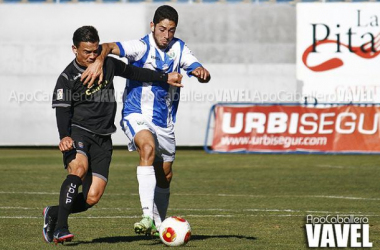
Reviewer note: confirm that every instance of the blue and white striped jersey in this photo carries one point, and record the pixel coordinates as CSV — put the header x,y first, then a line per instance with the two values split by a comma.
x,y
156,101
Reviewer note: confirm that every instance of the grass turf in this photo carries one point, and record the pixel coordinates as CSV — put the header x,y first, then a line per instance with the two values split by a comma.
x,y
231,201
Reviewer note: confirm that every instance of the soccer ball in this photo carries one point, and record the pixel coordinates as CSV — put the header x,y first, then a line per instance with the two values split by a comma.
x,y
175,231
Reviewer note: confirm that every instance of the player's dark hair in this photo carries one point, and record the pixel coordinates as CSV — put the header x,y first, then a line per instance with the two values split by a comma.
x,y
85,34
165,12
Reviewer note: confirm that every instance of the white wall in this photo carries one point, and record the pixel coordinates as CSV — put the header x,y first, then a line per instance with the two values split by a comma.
x,y
35,46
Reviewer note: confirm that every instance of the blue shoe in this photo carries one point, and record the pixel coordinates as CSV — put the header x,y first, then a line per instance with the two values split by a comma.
x,y
49,225
62,235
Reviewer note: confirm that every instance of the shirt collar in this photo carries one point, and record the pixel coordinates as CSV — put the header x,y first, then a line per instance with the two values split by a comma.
x,y
80,68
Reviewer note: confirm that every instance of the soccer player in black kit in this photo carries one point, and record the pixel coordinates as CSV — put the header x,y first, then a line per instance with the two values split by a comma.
x,y
85,120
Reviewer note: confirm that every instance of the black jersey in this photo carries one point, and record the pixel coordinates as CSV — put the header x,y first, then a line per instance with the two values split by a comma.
x,y
94,108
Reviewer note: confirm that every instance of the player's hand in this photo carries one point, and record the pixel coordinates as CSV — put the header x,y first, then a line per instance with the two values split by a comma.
x,y
175,79
202,74
92,72
66,144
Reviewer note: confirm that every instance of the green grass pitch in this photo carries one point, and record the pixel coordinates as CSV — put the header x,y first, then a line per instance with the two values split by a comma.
x,y
231,201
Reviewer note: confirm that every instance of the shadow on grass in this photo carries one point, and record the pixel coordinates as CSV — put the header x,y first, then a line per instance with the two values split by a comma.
x,y
121,239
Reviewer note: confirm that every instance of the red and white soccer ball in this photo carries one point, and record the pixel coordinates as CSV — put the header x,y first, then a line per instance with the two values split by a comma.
x,y
175,231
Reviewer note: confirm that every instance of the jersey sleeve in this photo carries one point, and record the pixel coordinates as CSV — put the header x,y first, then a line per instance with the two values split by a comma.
x,y
62,92
63,117
133,50
135,73
188,61
62,103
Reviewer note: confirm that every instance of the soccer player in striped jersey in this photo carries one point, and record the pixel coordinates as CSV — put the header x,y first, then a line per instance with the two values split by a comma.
x,y
150,108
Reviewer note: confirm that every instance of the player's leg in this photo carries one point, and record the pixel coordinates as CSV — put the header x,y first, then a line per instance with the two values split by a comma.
x,y
96,191
141,137
165,155
88,197
95,181
101,155
77,169
164,175
76,161
80,203
50,213
145,144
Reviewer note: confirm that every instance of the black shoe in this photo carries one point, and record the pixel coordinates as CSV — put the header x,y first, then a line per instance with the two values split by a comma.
x,y
49,225
62,235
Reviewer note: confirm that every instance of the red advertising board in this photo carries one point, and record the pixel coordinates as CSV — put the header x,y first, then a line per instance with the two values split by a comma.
x,y
289,128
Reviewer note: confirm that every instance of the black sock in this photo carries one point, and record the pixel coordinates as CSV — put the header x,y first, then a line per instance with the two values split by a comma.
x,y
80,204
69,191
53,211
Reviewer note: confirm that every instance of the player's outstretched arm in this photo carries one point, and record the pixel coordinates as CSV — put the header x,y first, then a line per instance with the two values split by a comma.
x,y
145,75
202,74
95,69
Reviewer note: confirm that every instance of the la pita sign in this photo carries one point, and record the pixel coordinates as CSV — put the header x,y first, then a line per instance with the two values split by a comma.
x,y
338,51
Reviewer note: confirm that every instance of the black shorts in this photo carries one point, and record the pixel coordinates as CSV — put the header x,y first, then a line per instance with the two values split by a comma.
x,y
97,148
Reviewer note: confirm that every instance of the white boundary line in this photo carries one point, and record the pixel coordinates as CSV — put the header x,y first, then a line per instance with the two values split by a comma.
x,y
39,193
221,195
185,215
345,197
239,212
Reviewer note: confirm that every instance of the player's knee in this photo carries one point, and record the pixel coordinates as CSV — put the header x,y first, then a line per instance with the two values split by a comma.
x,y
93,198
147,152
92,201
78,169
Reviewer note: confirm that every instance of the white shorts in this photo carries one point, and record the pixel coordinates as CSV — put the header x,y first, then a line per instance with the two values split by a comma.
x,y
164,137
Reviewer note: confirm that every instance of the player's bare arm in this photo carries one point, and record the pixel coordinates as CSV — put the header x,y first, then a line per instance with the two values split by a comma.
x,y
95,69
175,79
66,144
202,74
